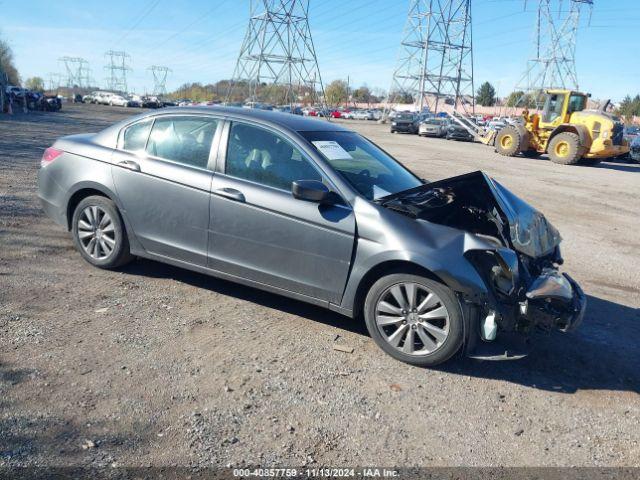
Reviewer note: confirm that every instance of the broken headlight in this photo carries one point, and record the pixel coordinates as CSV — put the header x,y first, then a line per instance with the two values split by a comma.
x,y
498,267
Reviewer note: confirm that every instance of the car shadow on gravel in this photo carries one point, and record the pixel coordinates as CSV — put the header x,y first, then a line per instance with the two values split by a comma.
x,y
149,268
601,355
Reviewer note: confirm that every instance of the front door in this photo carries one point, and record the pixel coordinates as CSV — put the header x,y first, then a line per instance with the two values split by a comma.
x,y
261,232
164,182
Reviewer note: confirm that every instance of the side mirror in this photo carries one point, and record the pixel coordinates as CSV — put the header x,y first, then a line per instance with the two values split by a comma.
x,y
310,190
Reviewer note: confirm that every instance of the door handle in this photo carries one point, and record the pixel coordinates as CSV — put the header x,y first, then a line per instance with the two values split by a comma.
x,y
129,164
230,193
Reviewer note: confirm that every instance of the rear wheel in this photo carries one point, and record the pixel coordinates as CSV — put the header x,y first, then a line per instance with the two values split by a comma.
x,y
99,233
565,149
508,141
414,319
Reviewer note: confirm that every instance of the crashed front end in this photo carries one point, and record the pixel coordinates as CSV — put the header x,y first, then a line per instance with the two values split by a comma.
x,y
525,290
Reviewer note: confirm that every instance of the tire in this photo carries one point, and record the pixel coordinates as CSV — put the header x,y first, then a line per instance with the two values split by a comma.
x,y
109,235
508,141
565,149
448,329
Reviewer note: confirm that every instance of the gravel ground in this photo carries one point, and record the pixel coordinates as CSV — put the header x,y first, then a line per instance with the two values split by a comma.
x,y
153,365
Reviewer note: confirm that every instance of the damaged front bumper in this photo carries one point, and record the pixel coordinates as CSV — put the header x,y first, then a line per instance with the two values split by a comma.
x,y
555,300
506,325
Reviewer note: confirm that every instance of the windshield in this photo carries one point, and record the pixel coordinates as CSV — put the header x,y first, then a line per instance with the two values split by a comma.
x,y
372,172
405,116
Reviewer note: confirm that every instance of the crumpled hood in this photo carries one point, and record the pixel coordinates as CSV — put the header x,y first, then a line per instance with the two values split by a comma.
x,y
476,203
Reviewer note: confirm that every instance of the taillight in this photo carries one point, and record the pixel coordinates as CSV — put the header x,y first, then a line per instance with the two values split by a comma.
x,y
49,155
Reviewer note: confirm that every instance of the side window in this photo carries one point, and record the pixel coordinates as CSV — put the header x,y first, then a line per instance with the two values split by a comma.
x,y
135,136
185,140
260,156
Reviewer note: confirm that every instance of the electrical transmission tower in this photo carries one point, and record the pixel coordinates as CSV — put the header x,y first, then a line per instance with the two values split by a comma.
x,y
554,64
117,69
435,62
277,61
55,80
76,72
160,75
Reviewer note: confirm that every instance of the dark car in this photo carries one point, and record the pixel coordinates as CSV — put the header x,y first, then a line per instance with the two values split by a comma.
x,y
405,122
318,213
151,102
634,152
456,131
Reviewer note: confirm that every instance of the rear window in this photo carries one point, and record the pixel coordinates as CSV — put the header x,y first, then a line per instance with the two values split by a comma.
x,y
135,136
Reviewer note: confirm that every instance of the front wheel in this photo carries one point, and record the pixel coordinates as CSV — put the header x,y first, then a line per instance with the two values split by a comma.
x,y
99,233
414,319
564,148
508,141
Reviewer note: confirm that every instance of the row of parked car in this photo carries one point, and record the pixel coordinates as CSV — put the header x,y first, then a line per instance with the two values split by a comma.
x,y
428,125
19,97
124,100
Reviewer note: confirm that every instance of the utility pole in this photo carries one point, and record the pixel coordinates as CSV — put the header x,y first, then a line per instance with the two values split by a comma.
x,y
554,63
76,72
435,61
117,68
160,75
277,60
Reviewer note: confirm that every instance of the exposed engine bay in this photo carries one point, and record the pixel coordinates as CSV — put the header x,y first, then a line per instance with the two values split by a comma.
x,y
526,290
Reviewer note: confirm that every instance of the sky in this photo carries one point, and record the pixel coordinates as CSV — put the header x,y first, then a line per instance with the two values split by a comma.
x,y
359,39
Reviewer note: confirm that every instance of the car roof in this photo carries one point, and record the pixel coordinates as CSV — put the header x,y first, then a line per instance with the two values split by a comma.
x,y
286,121
292,122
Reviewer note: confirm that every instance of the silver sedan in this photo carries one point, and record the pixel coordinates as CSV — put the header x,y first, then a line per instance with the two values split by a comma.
x,y
305,208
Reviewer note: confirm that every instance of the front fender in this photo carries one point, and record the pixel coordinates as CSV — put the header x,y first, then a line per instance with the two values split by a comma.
x,y
385,236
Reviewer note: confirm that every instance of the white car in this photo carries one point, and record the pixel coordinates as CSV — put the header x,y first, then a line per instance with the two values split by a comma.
x,y
102,98
118,101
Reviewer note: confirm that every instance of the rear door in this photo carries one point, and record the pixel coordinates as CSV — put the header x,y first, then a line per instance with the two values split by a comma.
x,y
162,172
259,231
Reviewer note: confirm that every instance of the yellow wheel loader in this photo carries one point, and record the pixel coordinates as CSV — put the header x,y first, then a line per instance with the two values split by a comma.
x,y
565,130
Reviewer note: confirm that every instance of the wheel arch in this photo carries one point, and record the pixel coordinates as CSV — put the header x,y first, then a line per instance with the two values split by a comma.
x,y
382,269
82,191
580,130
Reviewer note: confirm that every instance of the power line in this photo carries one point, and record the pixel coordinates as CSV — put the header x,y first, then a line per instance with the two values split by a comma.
x,y
435,62
117,69
554,65
277,58
160,74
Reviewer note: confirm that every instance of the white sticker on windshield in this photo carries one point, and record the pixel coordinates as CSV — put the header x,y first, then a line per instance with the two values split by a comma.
x,y
332,150
379,192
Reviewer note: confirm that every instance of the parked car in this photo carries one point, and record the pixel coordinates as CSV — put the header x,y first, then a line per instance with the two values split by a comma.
x,y
118,101
631,132
103,98
433,127
404,122
363,115
335,114
151,102
77,98
455,131
319,213
287,109
50,103
634,152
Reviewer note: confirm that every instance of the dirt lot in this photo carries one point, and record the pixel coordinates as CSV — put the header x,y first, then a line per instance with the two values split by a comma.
x,y
153,365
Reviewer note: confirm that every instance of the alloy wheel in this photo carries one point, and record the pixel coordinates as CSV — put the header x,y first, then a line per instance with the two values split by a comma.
x,y
412,319
96,232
